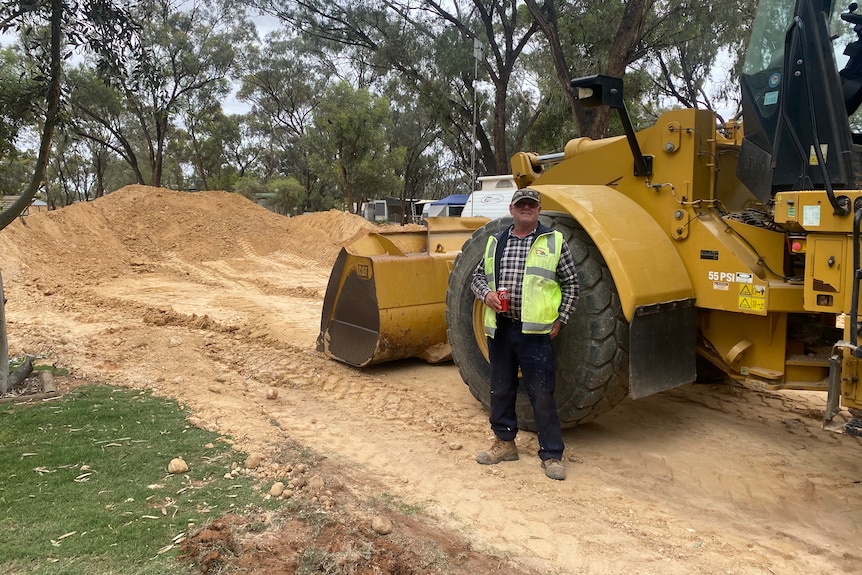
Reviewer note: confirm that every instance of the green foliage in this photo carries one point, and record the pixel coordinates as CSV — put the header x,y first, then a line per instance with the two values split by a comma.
x,y
284,196
553,127
85,483
186,59
20,91
16,168
690,45
349,144
352,100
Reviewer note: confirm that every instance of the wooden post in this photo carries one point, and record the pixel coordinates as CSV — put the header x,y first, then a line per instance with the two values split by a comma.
x,y
4,343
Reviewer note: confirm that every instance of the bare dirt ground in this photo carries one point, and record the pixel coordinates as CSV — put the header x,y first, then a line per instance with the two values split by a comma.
x,y
212,300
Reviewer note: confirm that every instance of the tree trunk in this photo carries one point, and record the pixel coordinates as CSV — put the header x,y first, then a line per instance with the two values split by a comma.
x,y
100,175
4,344
348,189
501,152
593,122
20,374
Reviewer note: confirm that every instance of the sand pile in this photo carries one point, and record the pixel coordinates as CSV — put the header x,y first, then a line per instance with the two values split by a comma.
x,y
138,224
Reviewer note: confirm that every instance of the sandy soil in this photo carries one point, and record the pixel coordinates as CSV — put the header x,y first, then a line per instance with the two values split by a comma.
x,y
212,300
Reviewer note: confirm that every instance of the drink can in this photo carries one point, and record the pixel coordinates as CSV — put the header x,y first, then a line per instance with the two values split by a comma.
x,y
503,294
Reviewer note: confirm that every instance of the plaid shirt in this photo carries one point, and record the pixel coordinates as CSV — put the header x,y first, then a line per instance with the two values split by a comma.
x,y
510,271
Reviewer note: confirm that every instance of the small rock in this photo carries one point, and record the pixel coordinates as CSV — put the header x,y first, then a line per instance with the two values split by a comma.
x,y
253,460
277,489
298,483
455,445
177,465
315,484
381,525
272,393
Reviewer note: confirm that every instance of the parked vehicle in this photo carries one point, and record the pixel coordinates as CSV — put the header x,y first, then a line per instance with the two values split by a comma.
x,y
492,198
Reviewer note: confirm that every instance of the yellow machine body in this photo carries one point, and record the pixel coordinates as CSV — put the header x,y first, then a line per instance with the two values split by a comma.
x,y
386,297
664,240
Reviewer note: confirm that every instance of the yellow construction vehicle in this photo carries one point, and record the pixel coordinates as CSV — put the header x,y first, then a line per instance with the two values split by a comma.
x,y
697,243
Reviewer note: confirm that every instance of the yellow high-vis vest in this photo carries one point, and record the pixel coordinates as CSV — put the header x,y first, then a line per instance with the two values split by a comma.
x,y
541,294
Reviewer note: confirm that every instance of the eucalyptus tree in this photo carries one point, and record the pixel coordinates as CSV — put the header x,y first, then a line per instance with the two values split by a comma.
x,y
16,169
696,52
207,137
674,46
48,30
245,151
499,33
20,95
70,178
283,85
429,46
416,134
98,113
187,47
349,144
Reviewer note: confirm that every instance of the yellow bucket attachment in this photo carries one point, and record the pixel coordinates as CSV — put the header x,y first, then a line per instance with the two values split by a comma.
x,y
386,297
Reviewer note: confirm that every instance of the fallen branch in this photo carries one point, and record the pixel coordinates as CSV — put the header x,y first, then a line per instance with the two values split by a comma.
x,y
31,397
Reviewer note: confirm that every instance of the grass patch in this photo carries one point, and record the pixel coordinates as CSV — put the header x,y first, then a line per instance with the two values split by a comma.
x,y
393,502
84,487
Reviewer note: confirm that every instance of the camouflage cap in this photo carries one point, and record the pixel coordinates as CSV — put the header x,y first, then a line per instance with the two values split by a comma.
x,y
525,194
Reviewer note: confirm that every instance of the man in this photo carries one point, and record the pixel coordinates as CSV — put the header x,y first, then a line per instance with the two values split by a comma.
x,y
534,264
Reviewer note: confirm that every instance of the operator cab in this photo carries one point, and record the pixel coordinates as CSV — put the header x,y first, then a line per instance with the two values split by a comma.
x,y
797,105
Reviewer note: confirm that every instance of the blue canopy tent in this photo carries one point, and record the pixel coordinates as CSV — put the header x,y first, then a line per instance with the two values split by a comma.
x,y
449,206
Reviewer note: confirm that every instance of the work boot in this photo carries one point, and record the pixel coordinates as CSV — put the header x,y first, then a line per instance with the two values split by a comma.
x,y
500,451
554,469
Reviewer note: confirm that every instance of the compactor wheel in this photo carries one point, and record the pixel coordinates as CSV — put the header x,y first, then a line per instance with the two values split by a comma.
x,y
592,350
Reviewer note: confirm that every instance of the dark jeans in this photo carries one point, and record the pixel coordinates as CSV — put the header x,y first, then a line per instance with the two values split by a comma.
x,y
508,350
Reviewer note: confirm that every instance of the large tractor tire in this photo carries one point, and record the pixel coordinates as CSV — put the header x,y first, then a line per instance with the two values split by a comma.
x,y
591,351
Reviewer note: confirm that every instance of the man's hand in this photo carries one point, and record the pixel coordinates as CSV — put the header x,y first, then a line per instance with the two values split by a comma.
x,y
492,300
555,329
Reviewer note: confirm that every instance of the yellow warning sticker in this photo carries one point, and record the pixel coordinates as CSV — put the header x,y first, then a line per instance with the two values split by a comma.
x,y
752,298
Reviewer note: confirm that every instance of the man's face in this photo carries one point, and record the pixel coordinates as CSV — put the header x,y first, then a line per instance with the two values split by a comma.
x,y
525,212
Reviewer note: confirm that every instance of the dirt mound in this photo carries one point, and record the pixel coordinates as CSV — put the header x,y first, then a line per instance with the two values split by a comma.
x,y
140,224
